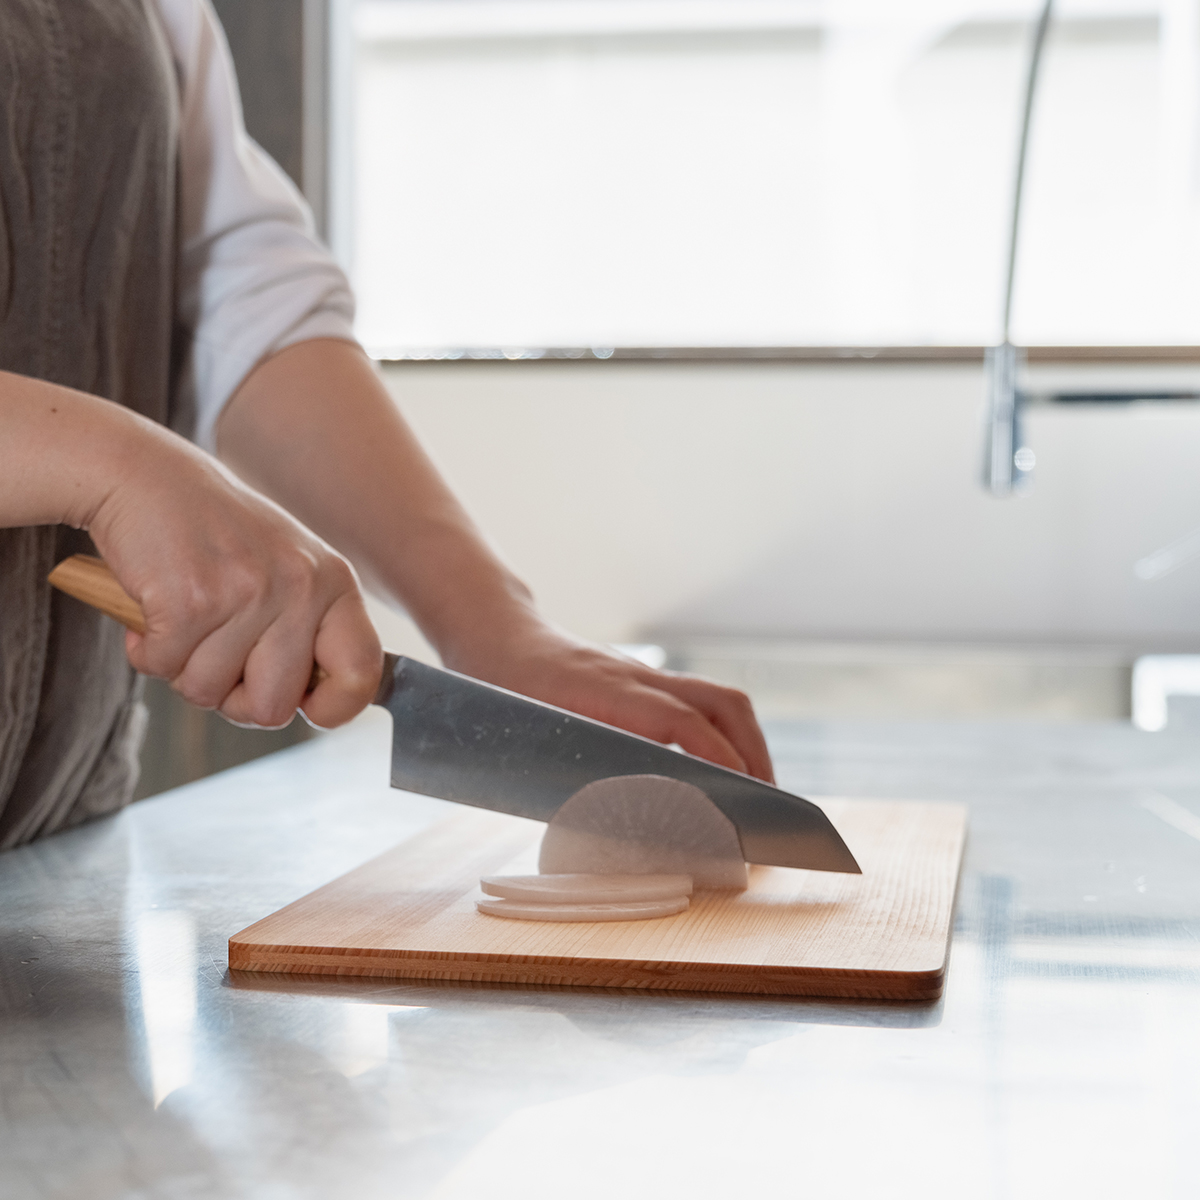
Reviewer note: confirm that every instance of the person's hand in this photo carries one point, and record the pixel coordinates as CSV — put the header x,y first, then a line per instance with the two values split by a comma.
x,y
356,474
239,598
704,718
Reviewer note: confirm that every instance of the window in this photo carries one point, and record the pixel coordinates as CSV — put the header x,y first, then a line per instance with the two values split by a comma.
x,y
597,173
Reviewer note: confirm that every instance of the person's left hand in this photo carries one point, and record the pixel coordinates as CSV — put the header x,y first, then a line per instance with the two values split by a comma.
x,y
355,474
706,719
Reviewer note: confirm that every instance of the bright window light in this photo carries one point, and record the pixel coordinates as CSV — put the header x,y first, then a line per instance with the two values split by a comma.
x,y
598,173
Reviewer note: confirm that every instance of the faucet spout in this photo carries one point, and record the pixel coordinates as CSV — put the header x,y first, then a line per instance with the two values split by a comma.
x,y
1008,462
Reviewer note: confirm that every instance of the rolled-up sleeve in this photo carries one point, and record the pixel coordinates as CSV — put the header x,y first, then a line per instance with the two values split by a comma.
x,y
253,277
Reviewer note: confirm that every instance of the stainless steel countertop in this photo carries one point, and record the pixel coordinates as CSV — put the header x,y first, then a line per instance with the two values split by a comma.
x,y
1063,1061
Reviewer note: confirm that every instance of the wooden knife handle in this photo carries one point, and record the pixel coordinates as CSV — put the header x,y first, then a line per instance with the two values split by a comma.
x,y
89,579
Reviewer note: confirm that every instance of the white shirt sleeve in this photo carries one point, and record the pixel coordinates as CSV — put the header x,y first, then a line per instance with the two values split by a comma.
x,y
252,275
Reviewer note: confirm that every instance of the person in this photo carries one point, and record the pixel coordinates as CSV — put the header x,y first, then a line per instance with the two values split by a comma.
x,y
159,282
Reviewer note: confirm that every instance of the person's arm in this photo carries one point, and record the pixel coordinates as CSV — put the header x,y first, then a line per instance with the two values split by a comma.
x,y
239,598
313,428
252,277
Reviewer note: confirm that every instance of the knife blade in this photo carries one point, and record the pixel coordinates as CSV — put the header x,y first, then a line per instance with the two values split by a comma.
x,y
474,743
459,739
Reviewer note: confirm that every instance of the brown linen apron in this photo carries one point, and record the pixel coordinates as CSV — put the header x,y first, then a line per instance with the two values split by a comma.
x,y
88,134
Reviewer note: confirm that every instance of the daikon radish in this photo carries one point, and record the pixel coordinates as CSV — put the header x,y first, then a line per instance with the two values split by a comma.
x,y
644,825
637,910
586,889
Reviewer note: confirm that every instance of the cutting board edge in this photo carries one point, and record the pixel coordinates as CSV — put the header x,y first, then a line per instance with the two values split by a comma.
x,y
624,975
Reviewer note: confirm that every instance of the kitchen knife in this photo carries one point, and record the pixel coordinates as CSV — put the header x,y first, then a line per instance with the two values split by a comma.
x,y
459,739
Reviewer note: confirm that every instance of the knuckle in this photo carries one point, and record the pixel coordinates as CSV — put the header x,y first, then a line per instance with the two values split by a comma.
x,y
338,576
198,693
156,660
248,583
297,574
197,594
192,606
362,678
354,679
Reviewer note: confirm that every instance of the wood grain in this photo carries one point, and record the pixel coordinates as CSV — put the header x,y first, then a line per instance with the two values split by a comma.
x,y
89,579
410,913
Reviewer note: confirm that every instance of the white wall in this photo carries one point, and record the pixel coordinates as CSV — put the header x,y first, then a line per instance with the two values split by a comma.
x,y
812,501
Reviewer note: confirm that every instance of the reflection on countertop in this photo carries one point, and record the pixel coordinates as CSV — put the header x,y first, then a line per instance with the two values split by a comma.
x,y
1064,1059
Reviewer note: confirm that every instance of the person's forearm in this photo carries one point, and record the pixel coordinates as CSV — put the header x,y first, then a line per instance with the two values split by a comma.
x,y
315,429
63,452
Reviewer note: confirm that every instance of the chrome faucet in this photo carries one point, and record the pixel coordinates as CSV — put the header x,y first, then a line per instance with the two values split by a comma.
x,y
1008,463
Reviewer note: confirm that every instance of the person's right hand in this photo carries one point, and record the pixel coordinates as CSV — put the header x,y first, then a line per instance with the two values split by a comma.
x,y
239,598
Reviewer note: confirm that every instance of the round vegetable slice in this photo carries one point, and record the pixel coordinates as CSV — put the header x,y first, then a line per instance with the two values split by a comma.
x,y
587,889
637,910
644,825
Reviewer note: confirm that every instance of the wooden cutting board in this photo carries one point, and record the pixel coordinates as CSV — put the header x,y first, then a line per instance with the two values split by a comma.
x,y
410,913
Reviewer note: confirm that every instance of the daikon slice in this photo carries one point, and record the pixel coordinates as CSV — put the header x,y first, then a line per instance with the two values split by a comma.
x,y
636,910
644,825
587,889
